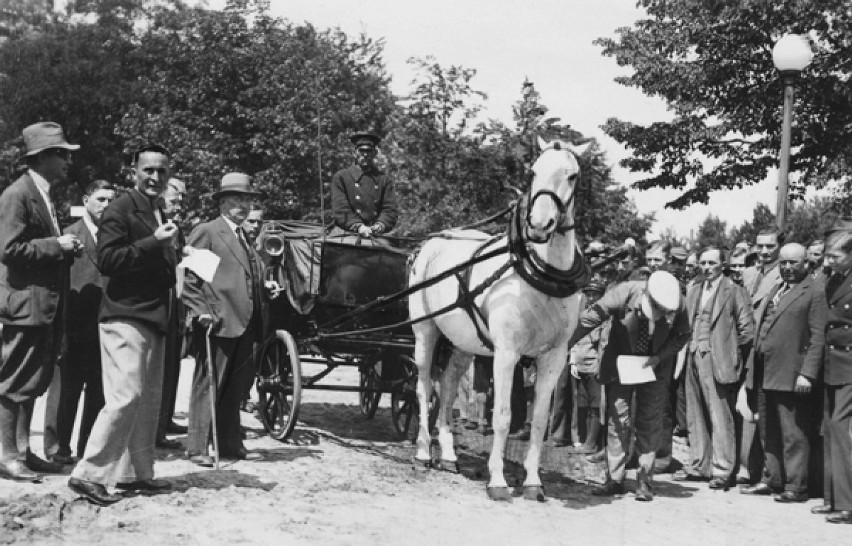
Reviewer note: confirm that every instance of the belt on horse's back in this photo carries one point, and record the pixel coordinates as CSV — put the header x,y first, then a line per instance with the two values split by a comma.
x,y
466,300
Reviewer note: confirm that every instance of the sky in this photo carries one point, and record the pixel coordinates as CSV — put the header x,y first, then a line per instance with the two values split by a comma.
x,y
547,41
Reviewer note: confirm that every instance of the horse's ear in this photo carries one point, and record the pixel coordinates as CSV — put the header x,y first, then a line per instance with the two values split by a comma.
x,y
542,144
581,149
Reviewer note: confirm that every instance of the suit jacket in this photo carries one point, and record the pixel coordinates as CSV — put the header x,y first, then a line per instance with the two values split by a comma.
x,y
795,337
86,284
231,295
33,267
622,303
838,334
757,287
359,197
139,270
731,327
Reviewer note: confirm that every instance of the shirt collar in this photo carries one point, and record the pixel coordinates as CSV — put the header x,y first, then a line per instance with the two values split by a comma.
x,y
231,224
41,183
93,228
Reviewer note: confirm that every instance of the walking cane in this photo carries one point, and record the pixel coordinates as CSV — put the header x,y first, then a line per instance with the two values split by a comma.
x,y
213,391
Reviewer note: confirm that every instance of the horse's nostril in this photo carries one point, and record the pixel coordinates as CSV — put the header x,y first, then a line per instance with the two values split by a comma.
x,y
549,224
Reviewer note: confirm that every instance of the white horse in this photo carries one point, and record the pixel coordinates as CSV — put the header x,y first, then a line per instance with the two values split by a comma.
x,y
519,319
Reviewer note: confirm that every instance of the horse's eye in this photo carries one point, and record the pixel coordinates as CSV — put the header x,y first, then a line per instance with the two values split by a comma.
x,y
572,177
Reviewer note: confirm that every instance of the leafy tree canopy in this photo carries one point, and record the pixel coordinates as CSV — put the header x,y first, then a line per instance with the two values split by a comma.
x,y
711,62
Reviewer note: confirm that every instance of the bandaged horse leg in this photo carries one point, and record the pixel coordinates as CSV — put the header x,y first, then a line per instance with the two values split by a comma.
x,y
424,350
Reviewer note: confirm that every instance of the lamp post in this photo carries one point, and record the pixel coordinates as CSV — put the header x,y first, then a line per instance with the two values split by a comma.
x,y
791,55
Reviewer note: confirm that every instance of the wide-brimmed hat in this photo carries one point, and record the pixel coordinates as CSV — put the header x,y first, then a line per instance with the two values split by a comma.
x,y
43,136
844,223
233,184
365,139
664,289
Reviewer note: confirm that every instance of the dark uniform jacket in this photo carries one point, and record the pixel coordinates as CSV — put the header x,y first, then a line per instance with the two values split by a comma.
x,y
86,284
140,270
359,197
795,338
33,267
838,334
623,304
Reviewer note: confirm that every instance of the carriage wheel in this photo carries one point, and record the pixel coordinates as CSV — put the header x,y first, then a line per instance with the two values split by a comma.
x,y
405,409
371,374
279,385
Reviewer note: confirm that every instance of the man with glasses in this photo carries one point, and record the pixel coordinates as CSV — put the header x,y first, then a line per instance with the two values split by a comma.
x,y
34,260
362,196
722,332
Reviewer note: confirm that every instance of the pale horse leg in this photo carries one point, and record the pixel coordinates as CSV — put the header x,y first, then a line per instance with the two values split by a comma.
x,y
548,368
456,367
504,369
426,336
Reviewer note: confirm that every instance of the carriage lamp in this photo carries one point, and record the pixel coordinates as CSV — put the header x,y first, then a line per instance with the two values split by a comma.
x,y
791,54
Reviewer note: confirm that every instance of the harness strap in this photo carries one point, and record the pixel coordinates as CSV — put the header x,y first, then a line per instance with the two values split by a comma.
x,y
467,302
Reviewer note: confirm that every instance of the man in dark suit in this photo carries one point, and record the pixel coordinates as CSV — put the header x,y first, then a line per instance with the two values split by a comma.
x,y
647,320
362,196
232,304
81,363
722,333
837,420
34,258
783,367
136,253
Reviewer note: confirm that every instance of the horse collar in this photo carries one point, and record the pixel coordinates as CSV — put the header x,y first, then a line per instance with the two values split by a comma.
x,y
545,278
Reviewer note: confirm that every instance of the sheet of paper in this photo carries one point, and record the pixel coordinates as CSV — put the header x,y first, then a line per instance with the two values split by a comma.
x,y
200,261
631,372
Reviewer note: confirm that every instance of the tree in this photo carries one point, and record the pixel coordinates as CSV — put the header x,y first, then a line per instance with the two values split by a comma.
x,y
762,218
711,62
713,231
809,220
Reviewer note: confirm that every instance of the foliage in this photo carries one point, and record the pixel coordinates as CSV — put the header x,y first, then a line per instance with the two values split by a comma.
x,y
762,218
711,62
712,231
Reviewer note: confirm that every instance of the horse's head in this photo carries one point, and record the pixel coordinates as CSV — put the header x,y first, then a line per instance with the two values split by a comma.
x,y
551,203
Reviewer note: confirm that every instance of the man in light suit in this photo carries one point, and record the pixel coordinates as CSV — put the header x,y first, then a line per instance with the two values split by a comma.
x,y
782,369
722,333
81,363
136,253
232,304
34,258
648,319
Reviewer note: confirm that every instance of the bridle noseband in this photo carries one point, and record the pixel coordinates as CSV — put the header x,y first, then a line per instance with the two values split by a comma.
x,y
562,225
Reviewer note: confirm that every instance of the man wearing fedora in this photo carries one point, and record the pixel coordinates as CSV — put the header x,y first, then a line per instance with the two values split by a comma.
x,y
232,304
648,320
136,254
34,260
362,196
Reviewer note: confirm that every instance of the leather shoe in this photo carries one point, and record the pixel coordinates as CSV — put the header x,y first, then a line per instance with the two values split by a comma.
x,y
560,443
62,459
791,496
93,492
844,516
145,485
174,428
719,483
244,455
165,443
15,470
202,460
822,509
644,493
757,489
608,489
686,476
37,464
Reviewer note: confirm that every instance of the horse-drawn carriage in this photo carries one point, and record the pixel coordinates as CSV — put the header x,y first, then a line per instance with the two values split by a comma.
x,y
328,275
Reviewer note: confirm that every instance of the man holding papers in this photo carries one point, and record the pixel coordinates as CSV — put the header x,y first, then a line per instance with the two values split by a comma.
x,y
649,324
722,332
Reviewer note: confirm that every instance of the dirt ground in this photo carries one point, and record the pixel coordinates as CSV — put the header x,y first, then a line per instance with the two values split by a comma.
x,y
344,480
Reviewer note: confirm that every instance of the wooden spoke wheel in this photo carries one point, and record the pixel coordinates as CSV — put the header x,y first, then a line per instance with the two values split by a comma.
x,y
371,378
405,409
279,385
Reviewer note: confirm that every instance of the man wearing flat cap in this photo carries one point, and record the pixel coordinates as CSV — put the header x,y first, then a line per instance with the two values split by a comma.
x,y
34,261
362,196
232,304
648,320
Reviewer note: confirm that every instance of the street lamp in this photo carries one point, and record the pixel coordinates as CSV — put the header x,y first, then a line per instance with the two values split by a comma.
x,y
791,54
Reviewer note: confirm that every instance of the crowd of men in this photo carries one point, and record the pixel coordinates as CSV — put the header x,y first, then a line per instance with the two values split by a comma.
x,y
747,355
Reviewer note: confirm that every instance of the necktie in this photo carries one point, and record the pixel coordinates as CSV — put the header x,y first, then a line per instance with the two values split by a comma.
x,y
643,340
53,219
782,291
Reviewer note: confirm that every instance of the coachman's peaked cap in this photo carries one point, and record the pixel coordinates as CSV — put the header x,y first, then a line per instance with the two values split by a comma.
x,y
365,139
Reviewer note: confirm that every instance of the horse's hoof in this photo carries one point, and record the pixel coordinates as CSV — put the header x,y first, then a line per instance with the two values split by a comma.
x,y
448,466
421,465
501,494
534,492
